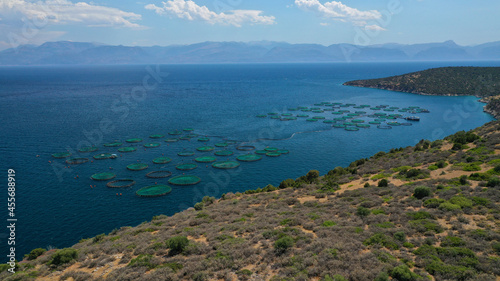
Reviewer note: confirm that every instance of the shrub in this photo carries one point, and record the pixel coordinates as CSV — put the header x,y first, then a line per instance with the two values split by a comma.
x,y
336,277
400,236
35,253
461,201
362,211
329,223
381,239
198,206
403,273
447,206
452,241
421,192
441,164
433,202
283,244
493,181
496,247
426,225
142,260
420,215
287,183
177,244
383,183
64,256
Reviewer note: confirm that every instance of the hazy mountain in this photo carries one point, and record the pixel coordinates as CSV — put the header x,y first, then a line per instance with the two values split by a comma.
x,y
65,52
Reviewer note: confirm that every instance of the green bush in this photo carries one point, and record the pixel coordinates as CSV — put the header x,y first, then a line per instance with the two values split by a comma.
x,y
461,201
496,247
283,244
383,183
287,183
362,211
493,181
421,192
403,273
447,206
381,239
312,175
433,202
400,236
329,223
64,256
35,253
452,241
198,206
177,244
426,225
441,164
142,260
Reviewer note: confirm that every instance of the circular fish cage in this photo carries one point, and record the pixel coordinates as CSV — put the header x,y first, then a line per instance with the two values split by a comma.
x,y
286,114
393,124
319,117
358,121
374,122
205,148
77,161
270,149
184,180
185,138
175,133
103,176
249,157
134,140
290,118
103,156
338,126
226,165
224,153
276,117
88,149
262,152
351,129
61,155
159,174
221,144
283,151
137,167
302,115
123,183
113,144
205,159
154,191
171,140
312,120
151,145
186,166
383,126
273,154
162,160
185,153
204,139
156,136
127,149
245,147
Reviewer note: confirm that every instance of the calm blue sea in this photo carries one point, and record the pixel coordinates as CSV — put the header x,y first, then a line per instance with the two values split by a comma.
x,y
52,109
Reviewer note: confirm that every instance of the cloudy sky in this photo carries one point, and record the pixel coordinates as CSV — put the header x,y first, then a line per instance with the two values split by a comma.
x,y
296,21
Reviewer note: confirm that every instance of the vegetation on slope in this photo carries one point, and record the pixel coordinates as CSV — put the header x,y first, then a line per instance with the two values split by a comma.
x,y
445,81
408,214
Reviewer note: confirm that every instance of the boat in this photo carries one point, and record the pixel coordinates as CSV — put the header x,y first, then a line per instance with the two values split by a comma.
x,y
412,118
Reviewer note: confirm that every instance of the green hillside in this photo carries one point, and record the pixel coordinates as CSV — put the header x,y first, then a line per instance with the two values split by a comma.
x,y
414,213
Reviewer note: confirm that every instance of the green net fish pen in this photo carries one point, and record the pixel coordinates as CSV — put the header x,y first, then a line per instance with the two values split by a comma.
x,y
184,180
103,176
205,159
61,155
137,166
159,174
226,165
224,153
205,148
113,144
185,153
162,160
134,140
103,156
154,191
127,149
186,166
123,183
88,149
249,157
151,145
157,136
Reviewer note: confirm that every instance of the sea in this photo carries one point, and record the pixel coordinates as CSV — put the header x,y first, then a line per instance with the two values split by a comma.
x,y
52,109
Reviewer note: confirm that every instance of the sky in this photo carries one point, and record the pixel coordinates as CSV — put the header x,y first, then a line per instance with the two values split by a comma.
x,y
172,22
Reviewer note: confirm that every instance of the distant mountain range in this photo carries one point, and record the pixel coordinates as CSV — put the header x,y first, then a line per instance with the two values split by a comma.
x,y
65,52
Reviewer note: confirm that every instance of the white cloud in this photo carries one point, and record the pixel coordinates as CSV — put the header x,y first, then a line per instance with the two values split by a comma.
x,y
338,11
67,12
324,24
187,9
374,27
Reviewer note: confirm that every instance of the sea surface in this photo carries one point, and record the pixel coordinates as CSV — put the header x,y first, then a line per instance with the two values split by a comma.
x,y
45,110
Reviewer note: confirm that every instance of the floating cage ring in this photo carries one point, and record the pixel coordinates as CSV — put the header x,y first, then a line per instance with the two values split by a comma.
x,y
77,161
151,145
205,159
156,136
186,166
103,156
245,147
134,140
226,165
123,183
224,153
137,166
113,144
205,148
184,180
103,176
159,174
162,160
185,153
127,149
154,191
249,157
273,154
